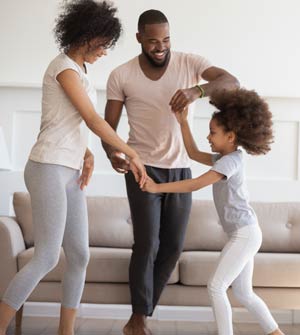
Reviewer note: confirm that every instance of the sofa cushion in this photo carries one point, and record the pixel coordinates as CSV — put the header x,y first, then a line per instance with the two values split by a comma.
x,y
270,269
204,231
22,207
109,222
280,224
106,265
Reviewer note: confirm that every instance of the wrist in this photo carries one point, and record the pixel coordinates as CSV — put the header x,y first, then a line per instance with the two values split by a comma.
x,y
112,153
200,90
88,154
134,155
184,122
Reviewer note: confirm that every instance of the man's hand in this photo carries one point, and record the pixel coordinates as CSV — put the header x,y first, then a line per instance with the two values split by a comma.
x,y
150,186
87,171
182,98
119,163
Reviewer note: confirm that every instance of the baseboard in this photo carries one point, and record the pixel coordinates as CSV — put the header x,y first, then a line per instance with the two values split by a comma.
x,y
176,313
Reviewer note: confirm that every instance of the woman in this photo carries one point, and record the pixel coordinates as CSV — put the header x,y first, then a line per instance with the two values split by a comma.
x,y
84,30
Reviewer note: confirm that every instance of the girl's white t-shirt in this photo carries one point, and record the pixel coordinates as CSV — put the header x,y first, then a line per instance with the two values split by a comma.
x,y
62,138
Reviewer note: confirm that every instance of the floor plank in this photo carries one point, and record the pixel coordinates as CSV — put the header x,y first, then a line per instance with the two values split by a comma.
x,y
48,326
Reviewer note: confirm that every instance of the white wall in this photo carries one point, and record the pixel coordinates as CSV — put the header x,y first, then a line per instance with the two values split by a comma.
x,y
255,40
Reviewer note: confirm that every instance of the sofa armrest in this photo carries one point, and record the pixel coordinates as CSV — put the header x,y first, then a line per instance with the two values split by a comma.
x,y
11,244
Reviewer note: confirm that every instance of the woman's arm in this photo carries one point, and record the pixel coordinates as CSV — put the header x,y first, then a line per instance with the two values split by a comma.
x,y
72,86
183,186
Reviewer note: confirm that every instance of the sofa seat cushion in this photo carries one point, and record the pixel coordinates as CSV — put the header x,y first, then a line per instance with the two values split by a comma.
x,y
106,265
270,269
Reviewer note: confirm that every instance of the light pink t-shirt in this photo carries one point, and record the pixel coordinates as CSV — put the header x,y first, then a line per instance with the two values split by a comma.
x,y
154,131
63,136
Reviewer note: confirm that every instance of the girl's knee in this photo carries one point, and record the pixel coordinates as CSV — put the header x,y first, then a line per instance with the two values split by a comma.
x,y
216,287
243,298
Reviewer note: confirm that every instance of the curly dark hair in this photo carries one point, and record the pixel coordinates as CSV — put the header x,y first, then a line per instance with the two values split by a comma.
x,y
82,20
248,116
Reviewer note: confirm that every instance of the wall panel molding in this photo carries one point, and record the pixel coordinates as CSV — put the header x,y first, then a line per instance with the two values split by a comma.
x,y
275,177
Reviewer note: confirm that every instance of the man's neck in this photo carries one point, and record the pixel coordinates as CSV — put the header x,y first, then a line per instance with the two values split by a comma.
x,y
151,71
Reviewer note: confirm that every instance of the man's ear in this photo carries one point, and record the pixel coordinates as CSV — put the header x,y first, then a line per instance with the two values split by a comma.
x,y
139,37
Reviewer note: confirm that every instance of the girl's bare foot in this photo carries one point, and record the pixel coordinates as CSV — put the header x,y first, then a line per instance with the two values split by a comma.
x,y
277,332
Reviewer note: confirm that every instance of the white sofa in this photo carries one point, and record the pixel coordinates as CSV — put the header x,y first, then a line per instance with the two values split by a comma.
x,y
277,265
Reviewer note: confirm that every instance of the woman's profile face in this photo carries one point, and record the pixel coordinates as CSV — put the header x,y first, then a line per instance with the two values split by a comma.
x,y
95,48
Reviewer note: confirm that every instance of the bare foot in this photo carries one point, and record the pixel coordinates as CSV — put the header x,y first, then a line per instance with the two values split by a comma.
x,y
277,332
136,326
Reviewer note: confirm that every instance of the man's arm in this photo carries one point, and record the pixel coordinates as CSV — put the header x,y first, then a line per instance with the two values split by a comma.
x,y
217,79
113,111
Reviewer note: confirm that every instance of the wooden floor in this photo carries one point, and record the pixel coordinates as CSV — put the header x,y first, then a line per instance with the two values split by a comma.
x,y
48,326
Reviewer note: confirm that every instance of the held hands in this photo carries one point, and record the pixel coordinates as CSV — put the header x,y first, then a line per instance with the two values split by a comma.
x,y
119,163
123,165
182,98
181,116
150,186
87,171
138,170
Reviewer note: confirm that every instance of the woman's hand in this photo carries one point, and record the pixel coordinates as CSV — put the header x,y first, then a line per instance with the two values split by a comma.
x,y
87,170
181,116
150,186
138,170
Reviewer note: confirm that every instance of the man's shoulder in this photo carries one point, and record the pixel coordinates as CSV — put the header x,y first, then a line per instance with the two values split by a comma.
x,y
186,55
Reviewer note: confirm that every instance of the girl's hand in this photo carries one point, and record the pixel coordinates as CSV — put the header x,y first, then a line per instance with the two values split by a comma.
x,y
181,116
150,186
138,170
87,171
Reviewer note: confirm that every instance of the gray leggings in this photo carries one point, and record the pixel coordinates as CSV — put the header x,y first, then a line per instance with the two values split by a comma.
x,y
59,216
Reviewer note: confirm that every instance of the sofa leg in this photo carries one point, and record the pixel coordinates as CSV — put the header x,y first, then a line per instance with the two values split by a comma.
x,y
19,316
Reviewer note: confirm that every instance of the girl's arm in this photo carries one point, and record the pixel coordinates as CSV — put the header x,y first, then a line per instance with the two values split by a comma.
x,y
183,186
72,86
189,143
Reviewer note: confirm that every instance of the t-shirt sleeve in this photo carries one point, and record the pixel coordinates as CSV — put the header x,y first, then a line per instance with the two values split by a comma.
x,y
114,89
226,165
199,64
64,64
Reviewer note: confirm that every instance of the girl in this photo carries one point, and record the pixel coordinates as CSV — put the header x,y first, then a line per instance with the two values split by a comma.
x,y
84,31
243,120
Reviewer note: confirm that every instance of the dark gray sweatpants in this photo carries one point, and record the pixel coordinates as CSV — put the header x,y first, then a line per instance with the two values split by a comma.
x,y
159,225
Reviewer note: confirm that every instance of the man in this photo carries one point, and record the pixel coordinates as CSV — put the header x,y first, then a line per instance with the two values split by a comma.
x,y
150,86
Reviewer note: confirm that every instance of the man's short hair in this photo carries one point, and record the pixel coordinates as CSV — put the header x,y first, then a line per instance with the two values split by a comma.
x,y
151,16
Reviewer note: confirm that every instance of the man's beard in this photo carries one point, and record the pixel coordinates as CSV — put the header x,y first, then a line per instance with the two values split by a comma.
x,y
153,62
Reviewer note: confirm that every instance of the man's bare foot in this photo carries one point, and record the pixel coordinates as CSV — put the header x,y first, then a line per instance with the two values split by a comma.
x,y
136,325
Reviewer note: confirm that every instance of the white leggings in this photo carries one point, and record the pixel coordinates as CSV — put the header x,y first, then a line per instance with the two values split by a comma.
x,y
235,267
